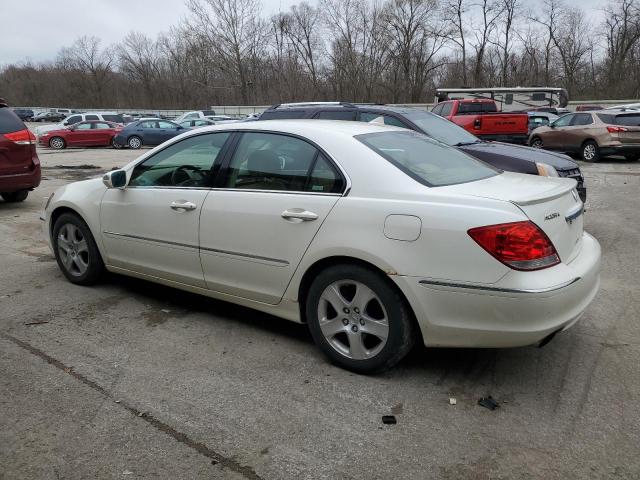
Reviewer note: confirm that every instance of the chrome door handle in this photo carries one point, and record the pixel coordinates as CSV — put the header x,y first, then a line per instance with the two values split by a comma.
x,y
299,214
183,206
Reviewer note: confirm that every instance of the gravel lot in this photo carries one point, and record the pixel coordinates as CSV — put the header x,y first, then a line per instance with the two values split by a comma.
x,y
134,380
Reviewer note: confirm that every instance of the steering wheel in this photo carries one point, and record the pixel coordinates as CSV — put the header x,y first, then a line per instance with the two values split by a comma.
x,y
189,173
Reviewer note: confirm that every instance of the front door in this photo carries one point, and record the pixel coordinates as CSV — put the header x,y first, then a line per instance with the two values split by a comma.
x,y
255,227
555,138
151,226
81,134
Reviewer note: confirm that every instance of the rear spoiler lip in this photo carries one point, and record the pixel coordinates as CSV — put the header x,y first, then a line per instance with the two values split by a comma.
x,y
552,194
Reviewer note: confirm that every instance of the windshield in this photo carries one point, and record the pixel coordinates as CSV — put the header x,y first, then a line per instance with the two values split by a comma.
x,y
425,160
441,129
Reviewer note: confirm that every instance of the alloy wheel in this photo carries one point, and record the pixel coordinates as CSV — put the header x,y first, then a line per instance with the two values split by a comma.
x,y
134,142
589,151
537,143
353,319
73,250
57,143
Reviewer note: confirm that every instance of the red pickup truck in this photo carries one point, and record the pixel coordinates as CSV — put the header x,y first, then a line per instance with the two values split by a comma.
x,y
482,118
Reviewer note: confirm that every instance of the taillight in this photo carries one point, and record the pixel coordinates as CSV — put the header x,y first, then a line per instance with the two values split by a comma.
x,y
613,129
21,137
519,245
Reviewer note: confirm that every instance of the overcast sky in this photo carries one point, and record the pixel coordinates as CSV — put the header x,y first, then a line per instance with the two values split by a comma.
x,y
36,30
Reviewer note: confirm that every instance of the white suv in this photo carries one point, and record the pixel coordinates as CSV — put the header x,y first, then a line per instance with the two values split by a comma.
x,y
194,115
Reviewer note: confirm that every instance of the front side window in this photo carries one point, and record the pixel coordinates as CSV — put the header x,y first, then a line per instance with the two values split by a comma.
x,y
563,121
268,161
163,124
425,160
73,120
149,124
187,163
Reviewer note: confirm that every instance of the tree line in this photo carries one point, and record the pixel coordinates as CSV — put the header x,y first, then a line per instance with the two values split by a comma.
x,y
227,52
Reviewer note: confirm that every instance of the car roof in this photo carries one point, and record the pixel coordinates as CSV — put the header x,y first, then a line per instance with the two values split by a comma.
x,y
331,106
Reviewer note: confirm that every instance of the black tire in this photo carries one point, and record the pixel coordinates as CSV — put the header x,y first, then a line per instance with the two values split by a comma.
x,y
14,197
632,157
57,143
589,152
134,142
401,325
95,265
536,142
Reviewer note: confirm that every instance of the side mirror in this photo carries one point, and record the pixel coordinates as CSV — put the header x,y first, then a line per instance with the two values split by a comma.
x,y
115,179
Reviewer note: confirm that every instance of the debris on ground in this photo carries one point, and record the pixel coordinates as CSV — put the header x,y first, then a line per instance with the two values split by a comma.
x,y
452,401
389,419
488,402
37,323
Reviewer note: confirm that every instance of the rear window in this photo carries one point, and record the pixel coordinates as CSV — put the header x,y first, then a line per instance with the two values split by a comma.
x,y
476,107
627,120
425,160
10,122
282,115
113,118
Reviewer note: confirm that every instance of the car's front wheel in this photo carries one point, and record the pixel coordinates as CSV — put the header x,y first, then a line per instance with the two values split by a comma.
x,y
75,249
19,196
58,143
134,142
358,319
536,142
590,151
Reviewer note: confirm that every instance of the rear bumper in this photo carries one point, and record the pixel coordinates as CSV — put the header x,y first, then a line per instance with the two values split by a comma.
x,y
519,139
22,181
507,314
632,149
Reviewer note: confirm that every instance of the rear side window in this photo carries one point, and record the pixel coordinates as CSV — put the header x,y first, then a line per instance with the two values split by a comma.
x,y
282,114
425,160
582,119
475,107
113,118
336,115
91,117
268,161
10,122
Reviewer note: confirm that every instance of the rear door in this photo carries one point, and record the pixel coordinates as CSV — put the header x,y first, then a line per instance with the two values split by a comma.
x,y
81,135
15,149
581,128
275,192
103,133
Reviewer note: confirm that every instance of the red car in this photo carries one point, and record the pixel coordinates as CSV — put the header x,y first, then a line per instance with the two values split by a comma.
x,y
92,133
482,118
19,163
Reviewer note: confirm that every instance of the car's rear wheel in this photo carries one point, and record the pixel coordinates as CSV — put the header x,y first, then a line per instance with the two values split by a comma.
x,y
632,157
536,142
134,142
590,151
57,143
12,197
358,319
115,144
75,249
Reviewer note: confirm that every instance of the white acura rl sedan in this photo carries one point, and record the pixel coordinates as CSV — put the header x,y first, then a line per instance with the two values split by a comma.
x,y
375,236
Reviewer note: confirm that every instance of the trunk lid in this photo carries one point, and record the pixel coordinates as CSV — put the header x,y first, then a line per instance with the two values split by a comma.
x,y
551,203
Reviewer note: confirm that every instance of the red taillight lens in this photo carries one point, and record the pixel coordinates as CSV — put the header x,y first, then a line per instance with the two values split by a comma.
x,y
519,245
616,129
21,137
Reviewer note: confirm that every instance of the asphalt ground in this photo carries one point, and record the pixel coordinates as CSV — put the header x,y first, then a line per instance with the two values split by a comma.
x,y
130,379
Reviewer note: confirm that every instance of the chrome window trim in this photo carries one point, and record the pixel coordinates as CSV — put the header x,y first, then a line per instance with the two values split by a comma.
x,y
471,286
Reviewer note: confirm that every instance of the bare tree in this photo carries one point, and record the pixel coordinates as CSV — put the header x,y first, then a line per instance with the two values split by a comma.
x,y
454,12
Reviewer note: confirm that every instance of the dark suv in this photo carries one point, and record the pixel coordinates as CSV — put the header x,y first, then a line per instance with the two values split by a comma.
x,y
512,158
19,163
